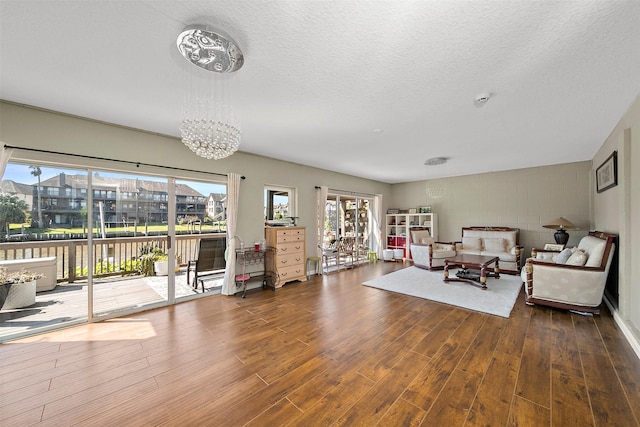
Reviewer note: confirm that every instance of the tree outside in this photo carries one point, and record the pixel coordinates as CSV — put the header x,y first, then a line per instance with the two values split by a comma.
x,y
36,171
12,210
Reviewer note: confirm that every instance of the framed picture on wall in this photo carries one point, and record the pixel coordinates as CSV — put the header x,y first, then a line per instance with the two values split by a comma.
x,y
607,173
553,247
413,210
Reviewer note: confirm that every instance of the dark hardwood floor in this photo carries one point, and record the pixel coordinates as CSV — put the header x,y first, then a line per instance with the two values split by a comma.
x,y
327,352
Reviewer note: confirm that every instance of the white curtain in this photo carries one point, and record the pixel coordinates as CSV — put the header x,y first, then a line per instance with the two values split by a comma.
x,y
321,203
233,196
5,155
377,224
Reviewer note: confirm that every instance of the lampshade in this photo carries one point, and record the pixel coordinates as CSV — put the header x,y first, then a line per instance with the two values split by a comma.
x,y
561,224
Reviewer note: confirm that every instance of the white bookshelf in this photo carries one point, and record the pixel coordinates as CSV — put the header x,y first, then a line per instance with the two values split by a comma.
x,y
398,227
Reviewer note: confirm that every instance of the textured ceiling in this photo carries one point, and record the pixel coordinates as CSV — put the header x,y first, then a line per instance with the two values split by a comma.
x,y
321,76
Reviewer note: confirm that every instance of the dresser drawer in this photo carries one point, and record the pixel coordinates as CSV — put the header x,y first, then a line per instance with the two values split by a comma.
x,y
289,260
287,274
284,236
290,248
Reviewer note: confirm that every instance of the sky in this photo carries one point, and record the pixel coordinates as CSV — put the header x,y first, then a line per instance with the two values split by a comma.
x,y
22,174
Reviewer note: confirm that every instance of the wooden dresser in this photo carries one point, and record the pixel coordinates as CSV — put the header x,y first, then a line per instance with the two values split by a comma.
x,y
287,259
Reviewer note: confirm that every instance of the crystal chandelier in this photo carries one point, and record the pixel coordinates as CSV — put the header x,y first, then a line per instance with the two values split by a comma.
x,y
208,130
435,192
209,127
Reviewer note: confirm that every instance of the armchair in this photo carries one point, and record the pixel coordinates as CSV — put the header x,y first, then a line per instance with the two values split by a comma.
x,y
576,283
427,253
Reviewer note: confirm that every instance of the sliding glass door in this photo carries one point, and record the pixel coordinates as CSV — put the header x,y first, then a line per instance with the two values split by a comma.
x,y
106,242
201,214
130,235
348,227
44,230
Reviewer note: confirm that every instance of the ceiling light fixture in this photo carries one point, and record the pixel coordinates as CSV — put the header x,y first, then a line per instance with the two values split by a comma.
x,y
210,49
435,161
209,127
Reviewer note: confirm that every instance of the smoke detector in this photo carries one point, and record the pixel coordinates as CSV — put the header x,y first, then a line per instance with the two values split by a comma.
x,y
481,99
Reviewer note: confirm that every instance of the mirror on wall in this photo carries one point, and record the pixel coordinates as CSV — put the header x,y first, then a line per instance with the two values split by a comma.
x,y
279,205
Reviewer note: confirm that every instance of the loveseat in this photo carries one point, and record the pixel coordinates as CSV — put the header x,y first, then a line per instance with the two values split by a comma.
x,y
493,241
490,241
573,279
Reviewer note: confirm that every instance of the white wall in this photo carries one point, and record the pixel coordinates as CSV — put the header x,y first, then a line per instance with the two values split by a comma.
x,y
33,128
523,198
617,210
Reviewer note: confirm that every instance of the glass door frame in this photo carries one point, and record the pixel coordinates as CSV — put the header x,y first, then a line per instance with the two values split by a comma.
x,y
355,253
65,163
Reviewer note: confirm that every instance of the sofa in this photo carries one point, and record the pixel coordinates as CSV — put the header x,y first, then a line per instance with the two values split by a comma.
x,y
493,241
573,279
428,254
490,241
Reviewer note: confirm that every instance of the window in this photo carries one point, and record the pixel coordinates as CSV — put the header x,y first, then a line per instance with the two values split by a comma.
x,y
279,204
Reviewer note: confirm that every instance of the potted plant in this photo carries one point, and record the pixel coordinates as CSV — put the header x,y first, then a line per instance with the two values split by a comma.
x,y
17,289
161,265
153,260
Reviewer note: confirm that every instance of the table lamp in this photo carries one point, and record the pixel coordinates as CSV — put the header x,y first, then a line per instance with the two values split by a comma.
x,y
561,225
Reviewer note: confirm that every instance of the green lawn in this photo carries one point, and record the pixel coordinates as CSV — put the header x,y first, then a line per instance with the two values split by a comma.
x,y
154,228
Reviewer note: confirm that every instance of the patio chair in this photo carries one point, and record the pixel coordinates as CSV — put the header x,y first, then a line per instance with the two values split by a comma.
x,y
210,260
329,254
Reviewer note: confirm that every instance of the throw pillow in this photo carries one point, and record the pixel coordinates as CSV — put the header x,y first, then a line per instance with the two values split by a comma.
x,y
494,245
426,241
579,257
564,256
419,235
545,256
472,243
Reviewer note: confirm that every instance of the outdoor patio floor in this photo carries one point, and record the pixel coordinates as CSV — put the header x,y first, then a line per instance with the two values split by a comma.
x,y
68,301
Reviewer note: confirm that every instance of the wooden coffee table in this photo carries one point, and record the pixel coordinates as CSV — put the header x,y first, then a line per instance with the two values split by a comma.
x,y
473,269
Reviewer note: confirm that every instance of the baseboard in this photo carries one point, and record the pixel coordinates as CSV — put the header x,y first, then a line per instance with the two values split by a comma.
x,y
631,338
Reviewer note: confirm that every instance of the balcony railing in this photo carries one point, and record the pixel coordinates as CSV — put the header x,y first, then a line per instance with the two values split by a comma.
x,y
112,256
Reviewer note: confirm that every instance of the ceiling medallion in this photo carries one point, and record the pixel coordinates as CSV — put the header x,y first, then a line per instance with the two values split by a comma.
x,y
210,49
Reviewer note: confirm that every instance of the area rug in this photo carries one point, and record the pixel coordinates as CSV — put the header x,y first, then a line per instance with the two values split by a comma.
x,y
498,299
